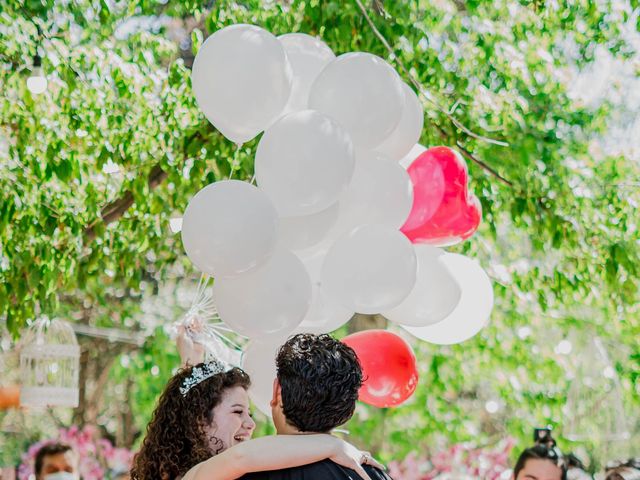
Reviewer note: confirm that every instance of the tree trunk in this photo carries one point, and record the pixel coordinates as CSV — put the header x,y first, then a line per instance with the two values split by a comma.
x,y
360,322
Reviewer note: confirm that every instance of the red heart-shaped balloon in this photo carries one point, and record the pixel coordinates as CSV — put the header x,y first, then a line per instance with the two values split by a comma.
x,y
444,212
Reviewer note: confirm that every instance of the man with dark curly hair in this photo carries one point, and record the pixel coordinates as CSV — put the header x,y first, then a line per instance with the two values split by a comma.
x,y
318,378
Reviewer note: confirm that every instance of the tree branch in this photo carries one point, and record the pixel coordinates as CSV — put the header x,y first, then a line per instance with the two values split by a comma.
x,y
118,207
421,90
482,164
470,156
428,97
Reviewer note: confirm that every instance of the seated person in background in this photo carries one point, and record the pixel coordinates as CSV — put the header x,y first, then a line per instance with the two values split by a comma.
x,y
543,461
57,461
629,470
576,469
623,473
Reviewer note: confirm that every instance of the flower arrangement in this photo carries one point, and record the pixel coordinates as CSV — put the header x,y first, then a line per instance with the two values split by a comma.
x,y
99,459
459,462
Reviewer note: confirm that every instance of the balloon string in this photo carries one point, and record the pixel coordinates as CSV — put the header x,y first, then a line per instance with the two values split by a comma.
x,y
234,160
226,339
221,326
218,331
204,278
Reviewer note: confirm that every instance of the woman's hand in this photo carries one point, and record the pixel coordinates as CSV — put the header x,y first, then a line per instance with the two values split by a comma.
x,y
191,353
351,457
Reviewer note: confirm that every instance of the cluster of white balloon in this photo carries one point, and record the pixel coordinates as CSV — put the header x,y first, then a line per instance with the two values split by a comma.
x,y
319,238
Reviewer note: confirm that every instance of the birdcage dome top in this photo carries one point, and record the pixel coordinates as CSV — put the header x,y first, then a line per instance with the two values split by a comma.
x,y
45,331
50,338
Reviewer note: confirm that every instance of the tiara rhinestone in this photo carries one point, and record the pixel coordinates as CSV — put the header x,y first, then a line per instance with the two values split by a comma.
x,y
201,373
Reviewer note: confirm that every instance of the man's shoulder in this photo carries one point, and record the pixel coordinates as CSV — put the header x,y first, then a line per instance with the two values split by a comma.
x,y
325,469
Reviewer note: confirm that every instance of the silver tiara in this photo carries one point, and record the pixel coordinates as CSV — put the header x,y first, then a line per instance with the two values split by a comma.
x,y
201,373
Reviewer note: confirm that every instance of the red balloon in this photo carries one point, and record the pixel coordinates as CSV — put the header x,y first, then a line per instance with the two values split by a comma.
x,y
389,367
444,212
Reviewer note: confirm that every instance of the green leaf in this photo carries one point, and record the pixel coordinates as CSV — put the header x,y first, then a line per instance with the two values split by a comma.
x,y
63,170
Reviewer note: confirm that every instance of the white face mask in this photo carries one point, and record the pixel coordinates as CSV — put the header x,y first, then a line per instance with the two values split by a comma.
x,y
61,476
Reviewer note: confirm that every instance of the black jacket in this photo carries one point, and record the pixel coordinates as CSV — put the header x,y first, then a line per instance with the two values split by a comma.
x,y
326,470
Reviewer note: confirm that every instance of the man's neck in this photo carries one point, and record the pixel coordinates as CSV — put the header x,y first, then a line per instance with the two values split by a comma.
x,y
291,430
288,430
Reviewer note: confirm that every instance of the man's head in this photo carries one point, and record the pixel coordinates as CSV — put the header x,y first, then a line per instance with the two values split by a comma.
x,y
317,384
57,461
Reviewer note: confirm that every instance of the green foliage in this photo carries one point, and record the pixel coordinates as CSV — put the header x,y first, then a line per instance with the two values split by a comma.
x,y
146,372
559,237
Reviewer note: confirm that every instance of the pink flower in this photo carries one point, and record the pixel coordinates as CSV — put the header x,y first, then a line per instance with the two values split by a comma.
x,y
458,462
94,453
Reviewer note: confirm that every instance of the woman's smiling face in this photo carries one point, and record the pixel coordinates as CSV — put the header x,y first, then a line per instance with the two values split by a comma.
x,y
232,422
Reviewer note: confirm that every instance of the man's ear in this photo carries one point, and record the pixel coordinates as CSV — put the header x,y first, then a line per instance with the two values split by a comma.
x,y
276,397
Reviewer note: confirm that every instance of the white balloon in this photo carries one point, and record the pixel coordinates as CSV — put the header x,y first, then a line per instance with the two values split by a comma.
x,y
271,300
415,152
435,294
369,270
308,56
304,162
409,128
241,79
472,312
380,193
229,227
363,93
313,257
320,249
325,314
259,361
303,232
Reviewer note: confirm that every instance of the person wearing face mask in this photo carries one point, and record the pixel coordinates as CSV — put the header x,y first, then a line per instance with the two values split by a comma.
x,y
203,417
576,470
57,461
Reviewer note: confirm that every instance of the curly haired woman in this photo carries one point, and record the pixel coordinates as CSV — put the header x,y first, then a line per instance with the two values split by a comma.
x,y
203,415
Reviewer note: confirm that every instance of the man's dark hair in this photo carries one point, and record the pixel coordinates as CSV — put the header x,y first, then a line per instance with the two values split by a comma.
x,y
320,378
542,452
49,449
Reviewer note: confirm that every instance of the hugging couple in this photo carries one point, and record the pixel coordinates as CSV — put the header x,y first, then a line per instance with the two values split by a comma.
x,y
202,426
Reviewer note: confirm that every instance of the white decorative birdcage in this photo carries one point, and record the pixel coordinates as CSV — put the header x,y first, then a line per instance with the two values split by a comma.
x,y
49,365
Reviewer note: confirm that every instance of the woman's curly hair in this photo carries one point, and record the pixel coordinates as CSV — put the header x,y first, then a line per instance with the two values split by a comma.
x,y
176,439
